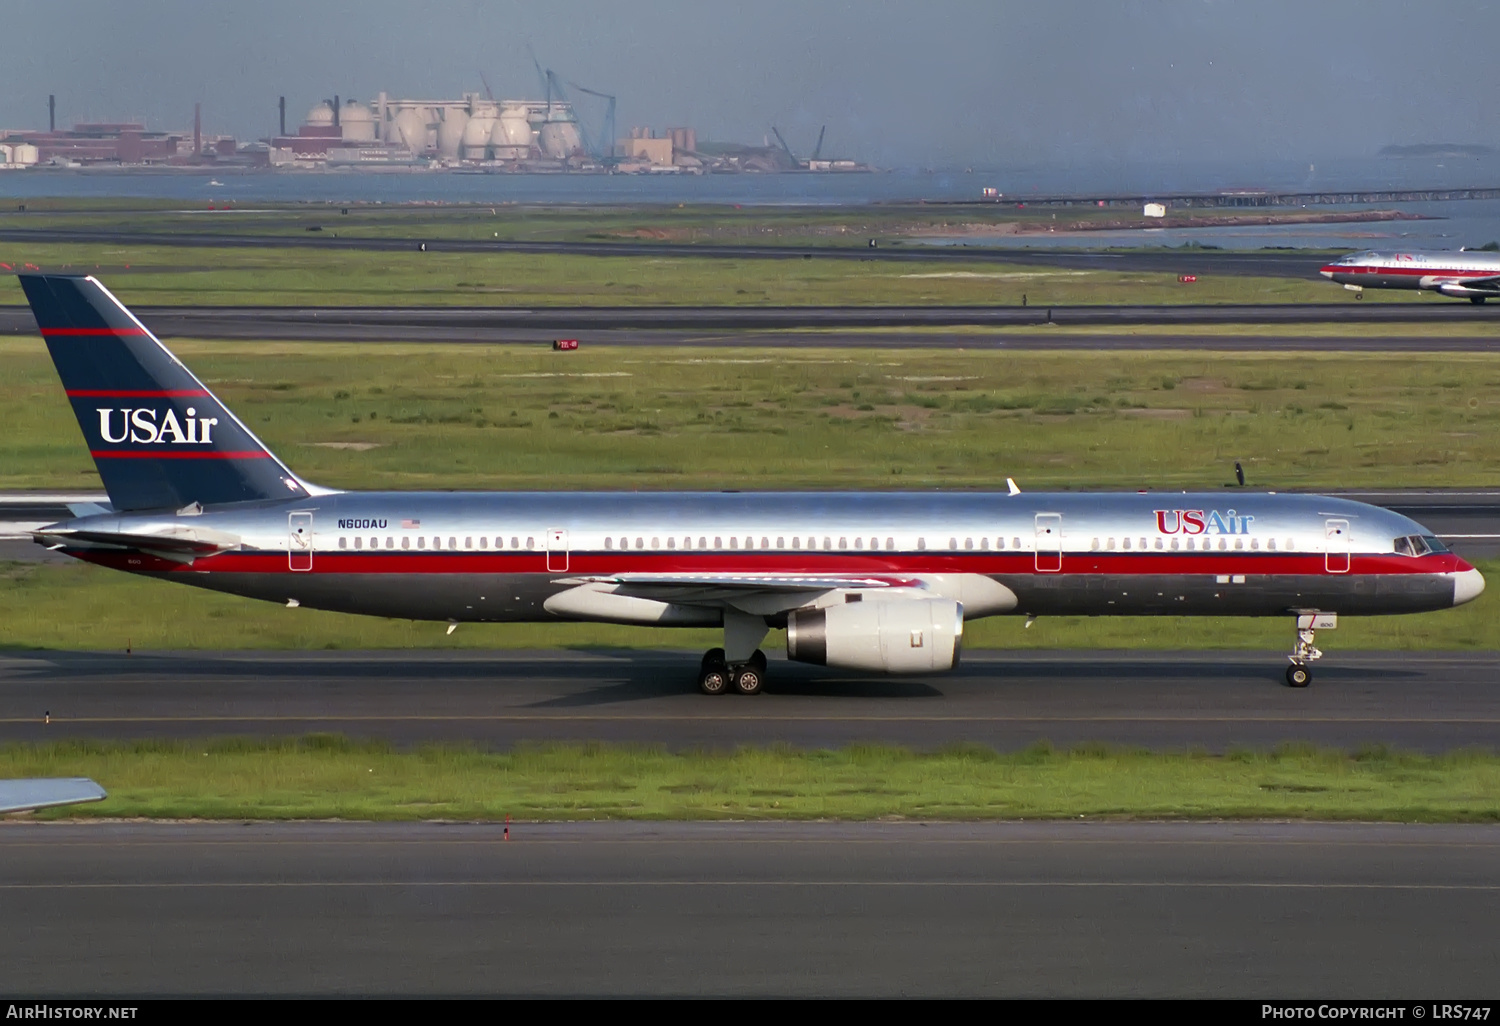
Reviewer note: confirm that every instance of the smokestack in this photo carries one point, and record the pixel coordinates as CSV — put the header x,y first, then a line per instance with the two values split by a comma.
x,y
51,113
197,129
282,106
335,110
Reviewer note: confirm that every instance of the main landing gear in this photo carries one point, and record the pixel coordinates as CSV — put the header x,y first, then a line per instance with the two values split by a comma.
x,y
716,676
1298,675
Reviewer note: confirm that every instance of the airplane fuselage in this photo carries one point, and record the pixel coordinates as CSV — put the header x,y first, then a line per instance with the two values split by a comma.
x,y
1461,274
497,557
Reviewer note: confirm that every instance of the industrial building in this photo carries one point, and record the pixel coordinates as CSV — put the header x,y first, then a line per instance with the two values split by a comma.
x,y
472,129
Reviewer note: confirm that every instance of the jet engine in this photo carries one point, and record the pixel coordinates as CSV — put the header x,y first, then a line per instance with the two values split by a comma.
x,y
882,636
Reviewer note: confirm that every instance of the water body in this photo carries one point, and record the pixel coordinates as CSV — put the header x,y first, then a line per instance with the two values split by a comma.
x,y
1464,223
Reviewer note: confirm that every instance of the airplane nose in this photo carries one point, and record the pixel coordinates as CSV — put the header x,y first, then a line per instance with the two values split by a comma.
x,y
1327,272
1467,586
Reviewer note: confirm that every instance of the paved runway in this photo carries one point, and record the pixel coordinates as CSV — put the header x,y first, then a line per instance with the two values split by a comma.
x,y
806,326
1288,264
1161,700
1016,909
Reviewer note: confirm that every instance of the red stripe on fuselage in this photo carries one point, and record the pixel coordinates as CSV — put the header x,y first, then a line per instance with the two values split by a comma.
x,y
785,563
1416,272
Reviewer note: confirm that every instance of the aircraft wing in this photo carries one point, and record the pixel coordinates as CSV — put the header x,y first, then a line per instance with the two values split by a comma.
x,y
755,582
47,792
759,594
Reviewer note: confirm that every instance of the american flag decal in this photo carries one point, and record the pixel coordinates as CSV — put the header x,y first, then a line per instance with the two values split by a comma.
x,y
411,524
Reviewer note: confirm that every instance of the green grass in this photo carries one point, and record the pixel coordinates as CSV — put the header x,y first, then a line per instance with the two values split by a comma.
x,y
328,777
515,417
80,606
166,276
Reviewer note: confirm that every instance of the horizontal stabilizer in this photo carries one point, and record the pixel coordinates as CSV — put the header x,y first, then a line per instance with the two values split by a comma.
x,y
181,544
47,792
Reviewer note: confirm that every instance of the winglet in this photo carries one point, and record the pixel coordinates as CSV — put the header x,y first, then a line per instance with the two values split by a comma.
x,y
1010,483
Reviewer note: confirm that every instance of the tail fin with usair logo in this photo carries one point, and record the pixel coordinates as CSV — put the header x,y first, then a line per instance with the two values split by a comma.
x,y
159,437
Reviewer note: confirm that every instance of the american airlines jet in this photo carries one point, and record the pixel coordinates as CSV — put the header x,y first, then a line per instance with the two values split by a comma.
x,y
871,581
1462,274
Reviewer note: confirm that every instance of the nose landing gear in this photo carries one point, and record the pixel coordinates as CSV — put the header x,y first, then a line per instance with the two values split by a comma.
x,y
1299,675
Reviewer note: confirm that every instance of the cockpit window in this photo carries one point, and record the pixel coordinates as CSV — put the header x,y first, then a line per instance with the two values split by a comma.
x,y
1418,545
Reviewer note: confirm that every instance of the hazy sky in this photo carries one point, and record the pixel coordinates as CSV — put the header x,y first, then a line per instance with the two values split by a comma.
x,y
919,83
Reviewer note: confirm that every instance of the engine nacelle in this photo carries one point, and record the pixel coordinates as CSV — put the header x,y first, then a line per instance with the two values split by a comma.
x,y
882,636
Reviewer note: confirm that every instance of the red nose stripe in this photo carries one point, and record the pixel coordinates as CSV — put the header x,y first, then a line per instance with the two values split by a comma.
x,y
140,454
115,393
94,331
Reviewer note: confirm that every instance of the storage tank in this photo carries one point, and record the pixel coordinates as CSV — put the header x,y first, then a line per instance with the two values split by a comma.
x,y
410,129
450,133
559,136
357,121
25,154
320,115
511,137
477,133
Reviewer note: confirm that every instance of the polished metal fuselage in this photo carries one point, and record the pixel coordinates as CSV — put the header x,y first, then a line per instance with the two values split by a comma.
x,y
500,556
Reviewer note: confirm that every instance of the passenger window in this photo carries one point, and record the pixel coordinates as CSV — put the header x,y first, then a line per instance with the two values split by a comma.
x,y
765,543
343,542
1127,543
671,543
953,543
718,542
749,543
1271,544
1158,544
640,543
1239,543
406,541
531,542
390,541
921,543
1174,544
780,544
421,543
969,543
609,543
734,543
452,542
656,543
843,544
890,544
1015,543
827,543
515,542
484,542
796,543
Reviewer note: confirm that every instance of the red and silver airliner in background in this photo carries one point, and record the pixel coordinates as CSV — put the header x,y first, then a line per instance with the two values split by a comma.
x,y
872,581
1463,273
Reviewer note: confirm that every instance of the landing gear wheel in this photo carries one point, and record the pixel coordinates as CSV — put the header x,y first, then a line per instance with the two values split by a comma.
x,y
714,680
749,680
1477,300
1298,676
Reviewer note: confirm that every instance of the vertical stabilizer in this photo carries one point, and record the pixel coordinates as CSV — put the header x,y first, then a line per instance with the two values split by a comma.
x,y
159,438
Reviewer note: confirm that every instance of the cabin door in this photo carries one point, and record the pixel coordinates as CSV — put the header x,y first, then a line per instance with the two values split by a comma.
x,y
557,550
299,541
1048,543
1336,554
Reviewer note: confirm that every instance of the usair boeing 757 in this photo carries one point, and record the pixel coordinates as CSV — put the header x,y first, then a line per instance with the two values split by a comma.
x,y
1460,274
870,581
